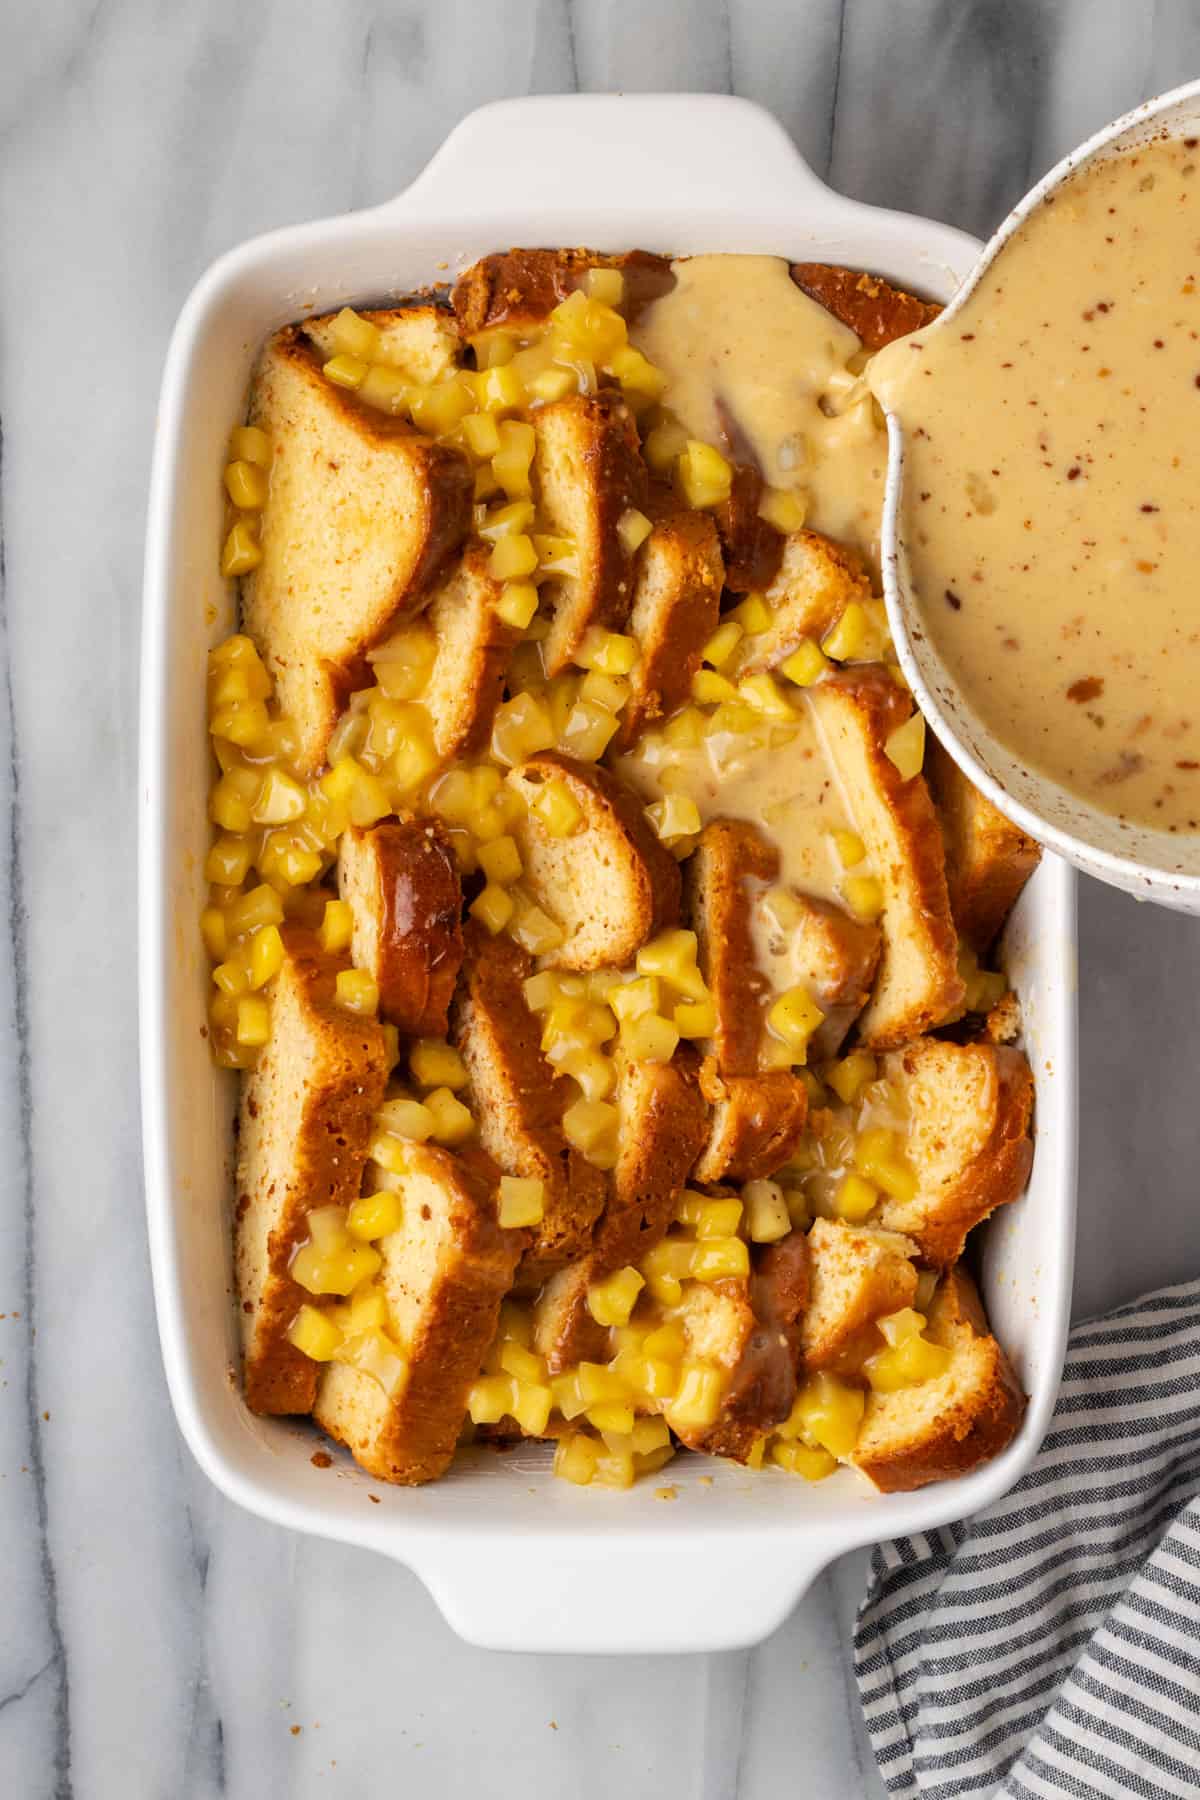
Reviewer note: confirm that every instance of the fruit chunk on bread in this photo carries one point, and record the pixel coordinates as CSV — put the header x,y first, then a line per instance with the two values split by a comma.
x,y
305,1123
988,860
949,1425
422,340
402,885
918,982
755,1125
676,609
519,289
362,516
857,1275
816,581
609,884
590,474
445,1272
474,648
519,1100
969,1109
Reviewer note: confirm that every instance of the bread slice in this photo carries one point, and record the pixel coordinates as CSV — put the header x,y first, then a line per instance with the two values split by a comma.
x,y
988,860
676,609
835,957
519,1101
858,1275
815,582
474,648
717,904
402,884
589,470
757,1122
663,1127
445,1272
303,1130
969,1108
362,516
918,982
421,338
518,289
751,547
611,884
873,308
954,1423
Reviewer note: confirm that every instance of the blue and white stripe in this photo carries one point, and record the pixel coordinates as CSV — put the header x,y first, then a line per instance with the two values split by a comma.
x,y
1051,1646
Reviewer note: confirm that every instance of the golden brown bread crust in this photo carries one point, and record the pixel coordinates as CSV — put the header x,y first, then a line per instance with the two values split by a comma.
x,y
762,1382
814,583
858,1275
728,854
475,647
305,1121
676,609
757,1122
453,1307
520,288
870,306
979,1421
752,548
410,882
835,957
519,1101
988,859
859,708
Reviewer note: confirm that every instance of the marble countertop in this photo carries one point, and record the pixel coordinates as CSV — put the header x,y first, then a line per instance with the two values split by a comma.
x,y
153,1639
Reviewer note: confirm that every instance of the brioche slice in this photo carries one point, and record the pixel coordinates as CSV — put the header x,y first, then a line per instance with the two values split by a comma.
x,y
968,1108
874,309
305,1122
518,289
988,860
611,884
729,855
362,516
663,1127
918,982
445,1272
519,1101
954,1423
751,547
475,646
857,1275
421,339
590,473
835,957
402,884
676,609
757,1122
815,582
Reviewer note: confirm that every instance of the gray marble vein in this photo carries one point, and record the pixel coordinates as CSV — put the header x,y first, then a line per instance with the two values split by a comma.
x,y
154,1641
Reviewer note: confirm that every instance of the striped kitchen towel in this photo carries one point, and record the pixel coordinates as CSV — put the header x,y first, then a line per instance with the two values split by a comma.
x,y
1051,1646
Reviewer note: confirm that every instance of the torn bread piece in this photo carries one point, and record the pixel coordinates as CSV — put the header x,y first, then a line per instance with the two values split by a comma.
x,y
751,546
875,310
663,1127
519,289
757,1122
519,1100
858,1275
815,582
968,1109
835,957
953,1423
402,885
474,649
303,1131
676,609
362,516
609,884
590,475
718,905
918,983
445,1272
988,860
421,338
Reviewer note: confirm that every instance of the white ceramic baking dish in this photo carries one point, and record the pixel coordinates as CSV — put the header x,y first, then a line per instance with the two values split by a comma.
x,y
514,1558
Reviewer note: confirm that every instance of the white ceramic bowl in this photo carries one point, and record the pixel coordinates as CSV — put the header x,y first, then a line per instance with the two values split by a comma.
x,y
514,1558
1153,865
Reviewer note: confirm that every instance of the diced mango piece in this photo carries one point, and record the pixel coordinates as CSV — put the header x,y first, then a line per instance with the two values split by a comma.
x,y
437,1064
522,1201
314,1334
767,1216
612,1300
848,640
374,1216
830,1412
855,1199
357,991
698,1398
704,475
905,747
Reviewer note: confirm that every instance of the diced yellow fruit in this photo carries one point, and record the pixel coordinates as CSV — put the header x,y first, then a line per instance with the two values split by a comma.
x,y
753,615
633,999
897,1327
849,848
906,1364
346,371
511,462
802,1459
672,957
848,640
784,508
762,693
482,433
633,528
695,1018
736,719
851,1075
490,1398
568,1399
517,604
266,955
281,800
863,894
877,1154
708,687
522,1201
594,328
501,860
355,336
556,555
675,817
713,1218
500,389
599,1384
438,408
722,644
855,1199
522,727
666,1266
452,1121
404,662
590,1126
556,810
806,664
767,1216
575,1458
705,477
437,1064
685,729
241,725
513,557
260,906
611,1415
314,1334
698,1398
519,1360
253,1021
397,1121
589,730
611,1301
531,1406
336,1271
213,931
248,444
327,1228
373,1353
246,485
374,1216
649,1038
594,1073
713,1259
232,976
610,652
493,907
357,991
493,348
637,374
905,747
607,285
793,1016
552,384
532,928
384,387
830,1412
664,445
337,926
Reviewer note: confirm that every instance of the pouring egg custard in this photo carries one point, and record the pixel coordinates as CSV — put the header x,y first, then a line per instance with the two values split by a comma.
x,y
602,947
